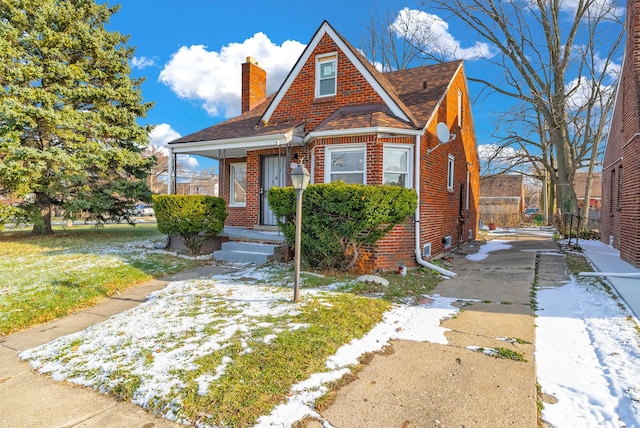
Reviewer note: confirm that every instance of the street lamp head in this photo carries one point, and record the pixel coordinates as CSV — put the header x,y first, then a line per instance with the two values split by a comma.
x,y
300,177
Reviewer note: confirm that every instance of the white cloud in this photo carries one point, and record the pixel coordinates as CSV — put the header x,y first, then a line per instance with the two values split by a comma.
x,y
432,34
610,68
597,8
582,90
161,135
493,151
214,77
141,62
188,163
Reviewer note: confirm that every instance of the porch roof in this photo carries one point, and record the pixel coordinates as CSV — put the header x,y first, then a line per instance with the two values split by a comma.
x,y
237,135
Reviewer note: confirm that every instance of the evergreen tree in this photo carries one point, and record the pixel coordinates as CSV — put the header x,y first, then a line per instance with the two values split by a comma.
x,y
68,110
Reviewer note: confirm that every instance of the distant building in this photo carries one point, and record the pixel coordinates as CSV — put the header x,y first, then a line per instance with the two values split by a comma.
x,y
204,185
580,184
502,199
620,216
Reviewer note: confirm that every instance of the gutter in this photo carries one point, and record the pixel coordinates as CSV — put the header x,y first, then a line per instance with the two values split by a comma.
x,y
417,252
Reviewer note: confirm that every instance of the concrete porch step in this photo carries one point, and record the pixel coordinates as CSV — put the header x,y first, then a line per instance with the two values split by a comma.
x,y
248,252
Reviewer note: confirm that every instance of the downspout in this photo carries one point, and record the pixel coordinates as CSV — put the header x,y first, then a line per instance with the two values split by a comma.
x,y
416,185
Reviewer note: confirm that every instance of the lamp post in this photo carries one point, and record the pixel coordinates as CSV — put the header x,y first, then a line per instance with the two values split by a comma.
x,y
300,179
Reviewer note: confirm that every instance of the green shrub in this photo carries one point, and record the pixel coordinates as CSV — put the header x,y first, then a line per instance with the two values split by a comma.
x,y
7,214
193,217
338,219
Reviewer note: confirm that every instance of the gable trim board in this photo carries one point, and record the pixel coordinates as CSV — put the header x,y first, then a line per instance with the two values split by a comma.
x,y
372,110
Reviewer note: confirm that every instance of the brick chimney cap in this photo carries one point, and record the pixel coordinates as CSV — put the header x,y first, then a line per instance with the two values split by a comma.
x,y
252,60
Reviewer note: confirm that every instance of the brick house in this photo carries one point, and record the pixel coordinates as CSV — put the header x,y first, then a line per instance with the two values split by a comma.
x,y
347,121
620,212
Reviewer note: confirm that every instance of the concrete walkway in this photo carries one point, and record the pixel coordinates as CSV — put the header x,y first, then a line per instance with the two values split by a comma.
x,y
432,385
28,399
607,259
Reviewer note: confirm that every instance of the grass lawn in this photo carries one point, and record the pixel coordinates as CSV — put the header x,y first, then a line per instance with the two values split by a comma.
x,y
229,350
48,277
223,351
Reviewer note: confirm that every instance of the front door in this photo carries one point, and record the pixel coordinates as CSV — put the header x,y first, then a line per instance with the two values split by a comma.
x,y
273,174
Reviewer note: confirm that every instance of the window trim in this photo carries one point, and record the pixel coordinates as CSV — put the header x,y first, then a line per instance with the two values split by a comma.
x,y
409,150
320,59
451,160
343,148
232,180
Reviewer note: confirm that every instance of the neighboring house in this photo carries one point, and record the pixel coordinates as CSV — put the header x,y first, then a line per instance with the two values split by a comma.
x,y
502,199
346,121
620,214
204,185
580,184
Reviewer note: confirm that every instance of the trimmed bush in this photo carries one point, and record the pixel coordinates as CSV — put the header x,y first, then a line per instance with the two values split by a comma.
x,y
339,218
193,217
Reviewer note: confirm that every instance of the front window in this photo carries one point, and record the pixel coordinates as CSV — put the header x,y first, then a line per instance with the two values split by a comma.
x,y
326,72
238,184
396,166
346,164
450,164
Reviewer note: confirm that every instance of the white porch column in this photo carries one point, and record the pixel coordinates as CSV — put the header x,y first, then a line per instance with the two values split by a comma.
x,y
171,173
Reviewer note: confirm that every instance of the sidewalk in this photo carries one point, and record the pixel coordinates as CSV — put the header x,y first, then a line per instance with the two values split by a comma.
x,y
607,259
28,399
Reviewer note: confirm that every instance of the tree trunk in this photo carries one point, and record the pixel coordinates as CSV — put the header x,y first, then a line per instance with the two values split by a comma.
x,y
566,200
42,226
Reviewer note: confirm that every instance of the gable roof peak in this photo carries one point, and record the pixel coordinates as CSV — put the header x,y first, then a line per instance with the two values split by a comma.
x,y
368,72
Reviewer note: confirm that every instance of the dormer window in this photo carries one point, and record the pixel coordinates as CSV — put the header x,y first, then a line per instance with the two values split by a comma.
x,y
326,72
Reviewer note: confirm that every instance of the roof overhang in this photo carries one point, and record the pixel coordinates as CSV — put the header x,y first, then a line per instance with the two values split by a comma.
x,y
234,147
360,131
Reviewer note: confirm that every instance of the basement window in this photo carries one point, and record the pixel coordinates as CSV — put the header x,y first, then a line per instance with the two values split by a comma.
x,y
426,250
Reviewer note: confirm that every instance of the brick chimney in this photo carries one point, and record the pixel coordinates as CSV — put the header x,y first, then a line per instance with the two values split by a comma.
x,y
254,84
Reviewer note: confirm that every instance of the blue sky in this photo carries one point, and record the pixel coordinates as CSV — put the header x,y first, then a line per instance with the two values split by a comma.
x,y
190,53
187,49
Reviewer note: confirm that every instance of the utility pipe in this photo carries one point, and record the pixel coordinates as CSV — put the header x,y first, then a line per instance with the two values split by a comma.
x,y
635,275
416,185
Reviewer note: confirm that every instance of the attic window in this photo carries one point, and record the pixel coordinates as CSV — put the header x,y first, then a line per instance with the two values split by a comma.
x,y
326,73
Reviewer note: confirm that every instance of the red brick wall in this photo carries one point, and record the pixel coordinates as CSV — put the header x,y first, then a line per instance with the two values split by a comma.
x,y
299,103
440,208
254,85
629,244
249,215
620,216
